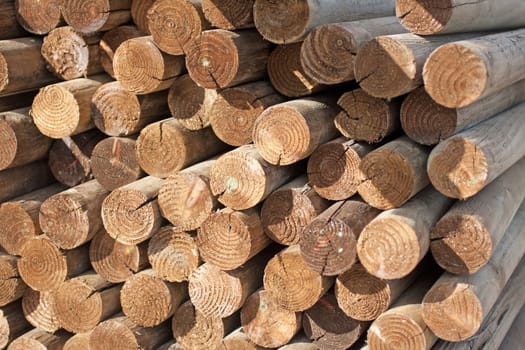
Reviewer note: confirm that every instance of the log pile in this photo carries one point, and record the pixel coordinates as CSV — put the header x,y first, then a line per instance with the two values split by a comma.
x,y
260,174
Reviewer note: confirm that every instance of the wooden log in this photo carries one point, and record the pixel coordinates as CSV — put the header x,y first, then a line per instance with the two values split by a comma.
x,y
465,163
292,283
394,243
300,342
131,213
464,239
282,26
119,112
219,58
171,345
114,162
69,55
229,238
190,104
234,111
195,331
394,173
44,267
12,323
241,179
328,51
427,122
291,131
513,338
17,101
455,306
18,181
266,323
11,285
238,340
142,68
40,310
114,261
173,255
287,74
120,333
139,14
329,243
22,143
424,18
96,15
288,210
367,118
334,168
9,26
78,341
72,217
38,17
110,42
69,158
229,15
493,62
64,109
22,68
85,301
39,339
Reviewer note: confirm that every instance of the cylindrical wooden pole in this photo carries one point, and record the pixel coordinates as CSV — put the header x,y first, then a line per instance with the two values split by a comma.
x,y
227,14
72,217
18,181
171,345
394,173
300,342
110,42
78,341
11,285
39,339
17,101
220,58
234,111
38,17
238,340
9,26
12,323
513,339
40,310
291,131
139,13
88,16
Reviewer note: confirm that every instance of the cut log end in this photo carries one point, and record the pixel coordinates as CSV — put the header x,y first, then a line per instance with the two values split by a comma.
x,y
18,226
40,310
229,14
8,146
38,17
139,13
112,39
78,341
282,22
11,285
87,16
424,17
113,334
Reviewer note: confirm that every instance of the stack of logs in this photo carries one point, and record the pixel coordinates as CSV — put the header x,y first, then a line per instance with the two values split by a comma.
x,y
261,174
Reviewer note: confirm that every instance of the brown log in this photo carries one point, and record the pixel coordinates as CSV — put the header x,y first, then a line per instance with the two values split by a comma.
x,y
11,285
191,104
292,283
229,238
171,345
328,52
40,310
9,26
465,163
44,267
221,59
238,340
287,211
12,323
266,323
334,168
165,147
227,14
234,111
17,101
173,255
78,341
119,112
22,143
131,213
139,14
69,55
21,180
120,333
394,173
300,342
142,68
38,17
287,75
195,331
69,158
114,162
367,118
329,243
110,42
96,15
37,339
22,68
114,261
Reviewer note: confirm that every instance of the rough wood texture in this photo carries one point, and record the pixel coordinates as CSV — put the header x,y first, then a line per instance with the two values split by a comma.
x,y
465,163
228,14
290,21
18,181
367,118
241,179
234,111
173,255
110,42
328,52
131,213
266,323
39,339
291,131
238,340
17,101
220,58
334,168
288,210
22,143
11,285
300,342
44,267
394,173
287,74
40,310
513,339
460,73
139,13
171,345
77,342
9,27
12,323
328,243
165,147
175,24
37,17
88,16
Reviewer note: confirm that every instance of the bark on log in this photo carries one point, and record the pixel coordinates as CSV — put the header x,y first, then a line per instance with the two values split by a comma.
x,y
40,310
111,41
12,323
9,26
37,339
139,13
88,16
227,14
11,285
38,17
24,179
